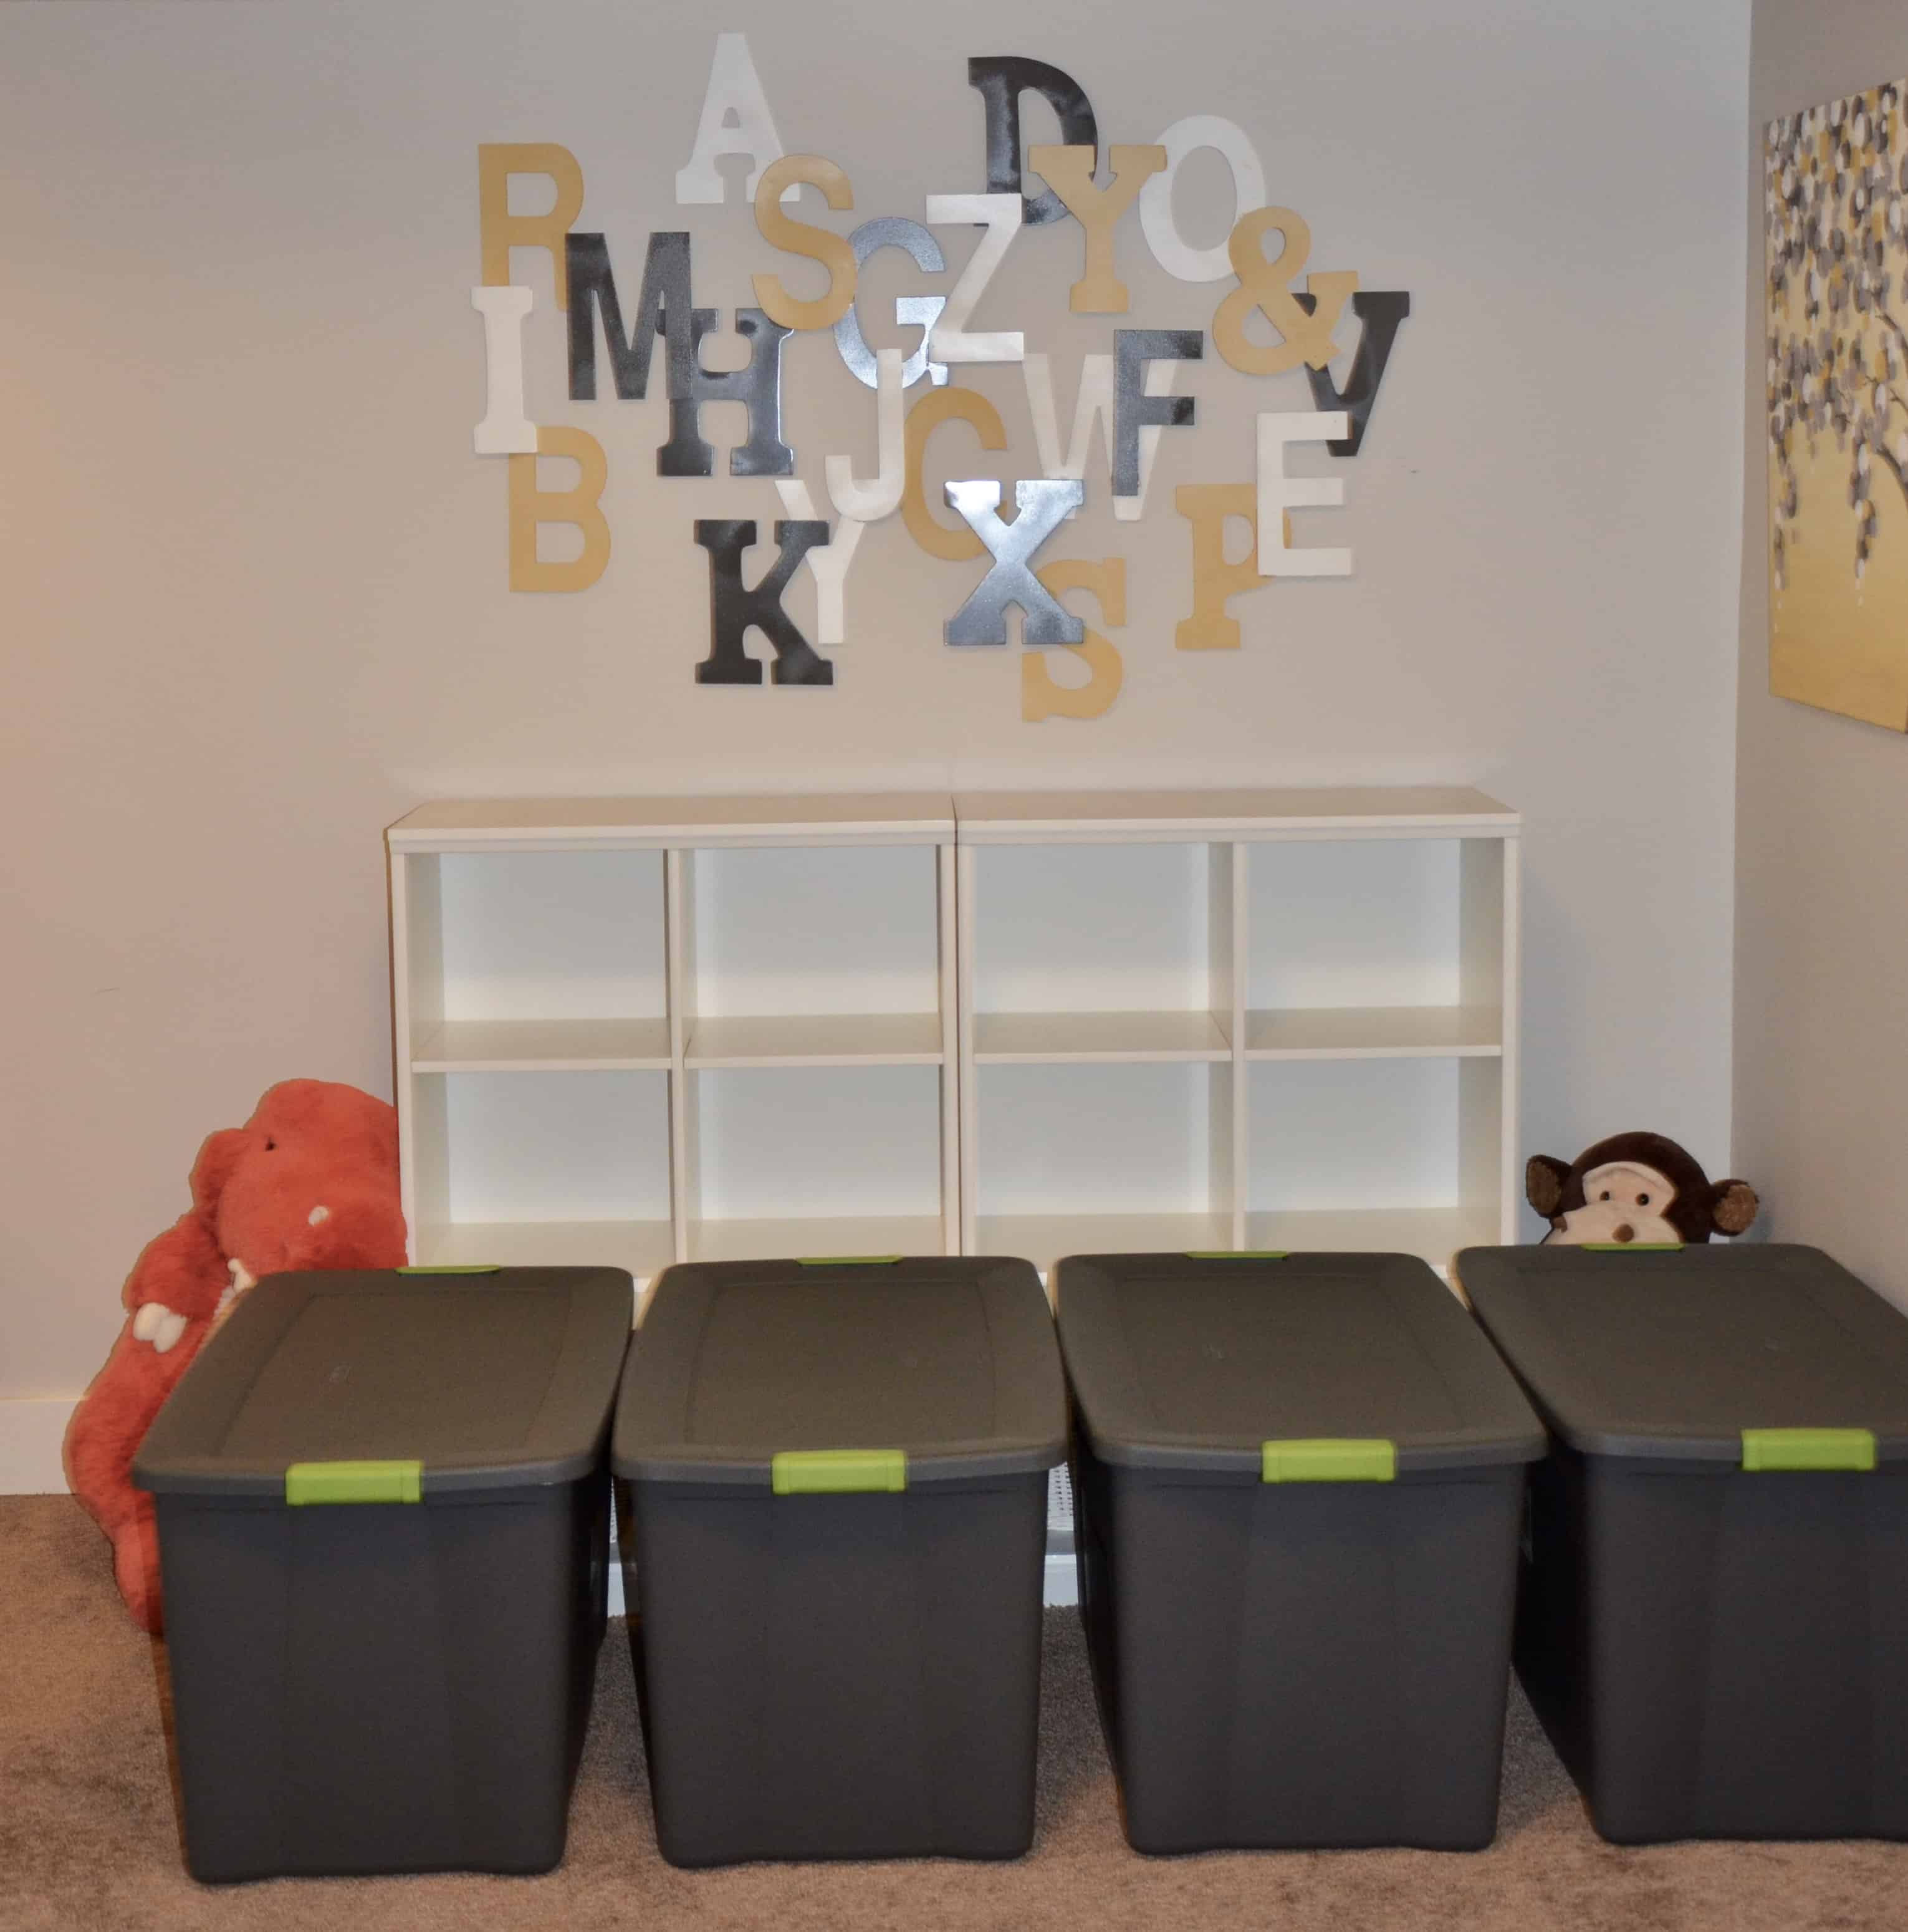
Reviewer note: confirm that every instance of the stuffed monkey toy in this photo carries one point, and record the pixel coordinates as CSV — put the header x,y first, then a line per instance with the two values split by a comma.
x,y
1635,1187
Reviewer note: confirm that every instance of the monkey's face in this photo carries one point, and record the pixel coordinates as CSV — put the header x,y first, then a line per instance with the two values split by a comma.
x,y
1623,1201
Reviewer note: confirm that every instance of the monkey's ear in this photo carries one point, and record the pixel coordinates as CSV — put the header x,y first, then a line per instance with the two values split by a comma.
x,y
1543,1183
1735,1205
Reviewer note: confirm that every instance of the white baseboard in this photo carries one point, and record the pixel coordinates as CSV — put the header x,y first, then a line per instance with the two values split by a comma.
x,y
31,1428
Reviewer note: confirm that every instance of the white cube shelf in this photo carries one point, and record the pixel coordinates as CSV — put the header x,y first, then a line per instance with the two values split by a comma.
x,y
1336,970
640,1030
544,960
531,1163
1032,1024
827,1160
1097,953
1101,1155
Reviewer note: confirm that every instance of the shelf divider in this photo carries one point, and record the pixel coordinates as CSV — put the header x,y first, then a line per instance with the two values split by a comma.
x,y
645,1248
1229,910
1373,1032
816,1039
1044,1239
1004,1039
948,979
791,1239
1433,1234
506,1046
1489,1181
966,859
680,953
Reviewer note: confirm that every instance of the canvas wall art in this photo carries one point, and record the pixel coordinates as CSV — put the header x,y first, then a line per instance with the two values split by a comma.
x,y
1837,212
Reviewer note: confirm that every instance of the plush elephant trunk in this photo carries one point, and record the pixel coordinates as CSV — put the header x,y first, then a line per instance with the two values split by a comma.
x,y
343,1228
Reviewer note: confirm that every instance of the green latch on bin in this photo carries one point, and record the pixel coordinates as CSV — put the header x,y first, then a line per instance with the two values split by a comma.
x,y
354,1483
1329,1459
846,1260
1808,1449
1236,1254
835,1472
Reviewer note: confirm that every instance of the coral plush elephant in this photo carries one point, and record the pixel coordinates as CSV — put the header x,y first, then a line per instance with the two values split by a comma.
x,y
310,1181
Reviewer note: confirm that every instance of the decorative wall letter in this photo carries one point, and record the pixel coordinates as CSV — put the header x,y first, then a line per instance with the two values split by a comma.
x,y
1158,382
803,237
1209,507
665,289
529,506
506,429
868,502
895,231
1093,402
757,385
666,294
734,608
1306,328
1177,257
826,563
1099,291
1129,394
935,408
1132,349
950,341
1381,311
1041,503
1002,79
734,88
501,231
1278,492
1041,697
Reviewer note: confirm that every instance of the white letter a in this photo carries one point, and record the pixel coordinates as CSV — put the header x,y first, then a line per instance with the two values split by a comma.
x,y
734,88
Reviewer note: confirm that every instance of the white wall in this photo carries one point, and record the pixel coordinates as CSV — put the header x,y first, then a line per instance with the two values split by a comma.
x,y
256,579
1822,824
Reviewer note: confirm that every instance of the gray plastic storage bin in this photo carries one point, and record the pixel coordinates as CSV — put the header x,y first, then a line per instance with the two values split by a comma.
x,y
383,1532
1713,1619
1297,1486
837,1477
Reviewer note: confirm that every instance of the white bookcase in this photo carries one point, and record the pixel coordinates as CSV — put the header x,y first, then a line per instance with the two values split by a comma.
x,y
642,1030
1237,1020
649,1030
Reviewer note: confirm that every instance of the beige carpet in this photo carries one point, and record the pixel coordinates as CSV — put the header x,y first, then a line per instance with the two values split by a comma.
x,y
89,1840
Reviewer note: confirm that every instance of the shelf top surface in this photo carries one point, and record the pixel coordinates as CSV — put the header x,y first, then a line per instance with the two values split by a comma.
x,y
844,818
927,817
1008,815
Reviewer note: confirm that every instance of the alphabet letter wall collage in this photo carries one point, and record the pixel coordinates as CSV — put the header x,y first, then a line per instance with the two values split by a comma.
x,y
1127,394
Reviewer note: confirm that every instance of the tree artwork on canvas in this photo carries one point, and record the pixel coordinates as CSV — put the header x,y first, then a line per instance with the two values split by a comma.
x,y
1836,211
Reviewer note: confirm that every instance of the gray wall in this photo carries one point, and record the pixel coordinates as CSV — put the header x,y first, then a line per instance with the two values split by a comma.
x,y
1821,1109
255,578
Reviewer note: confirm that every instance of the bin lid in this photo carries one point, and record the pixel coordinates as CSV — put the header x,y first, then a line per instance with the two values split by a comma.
x,y
1288,1367
1680,1352
383,1385
841,1375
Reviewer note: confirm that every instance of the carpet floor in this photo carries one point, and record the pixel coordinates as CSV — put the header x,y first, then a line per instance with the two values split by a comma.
x,y
89,1839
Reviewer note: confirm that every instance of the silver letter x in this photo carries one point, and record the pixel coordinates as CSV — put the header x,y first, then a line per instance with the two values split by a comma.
x,y
1042,503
